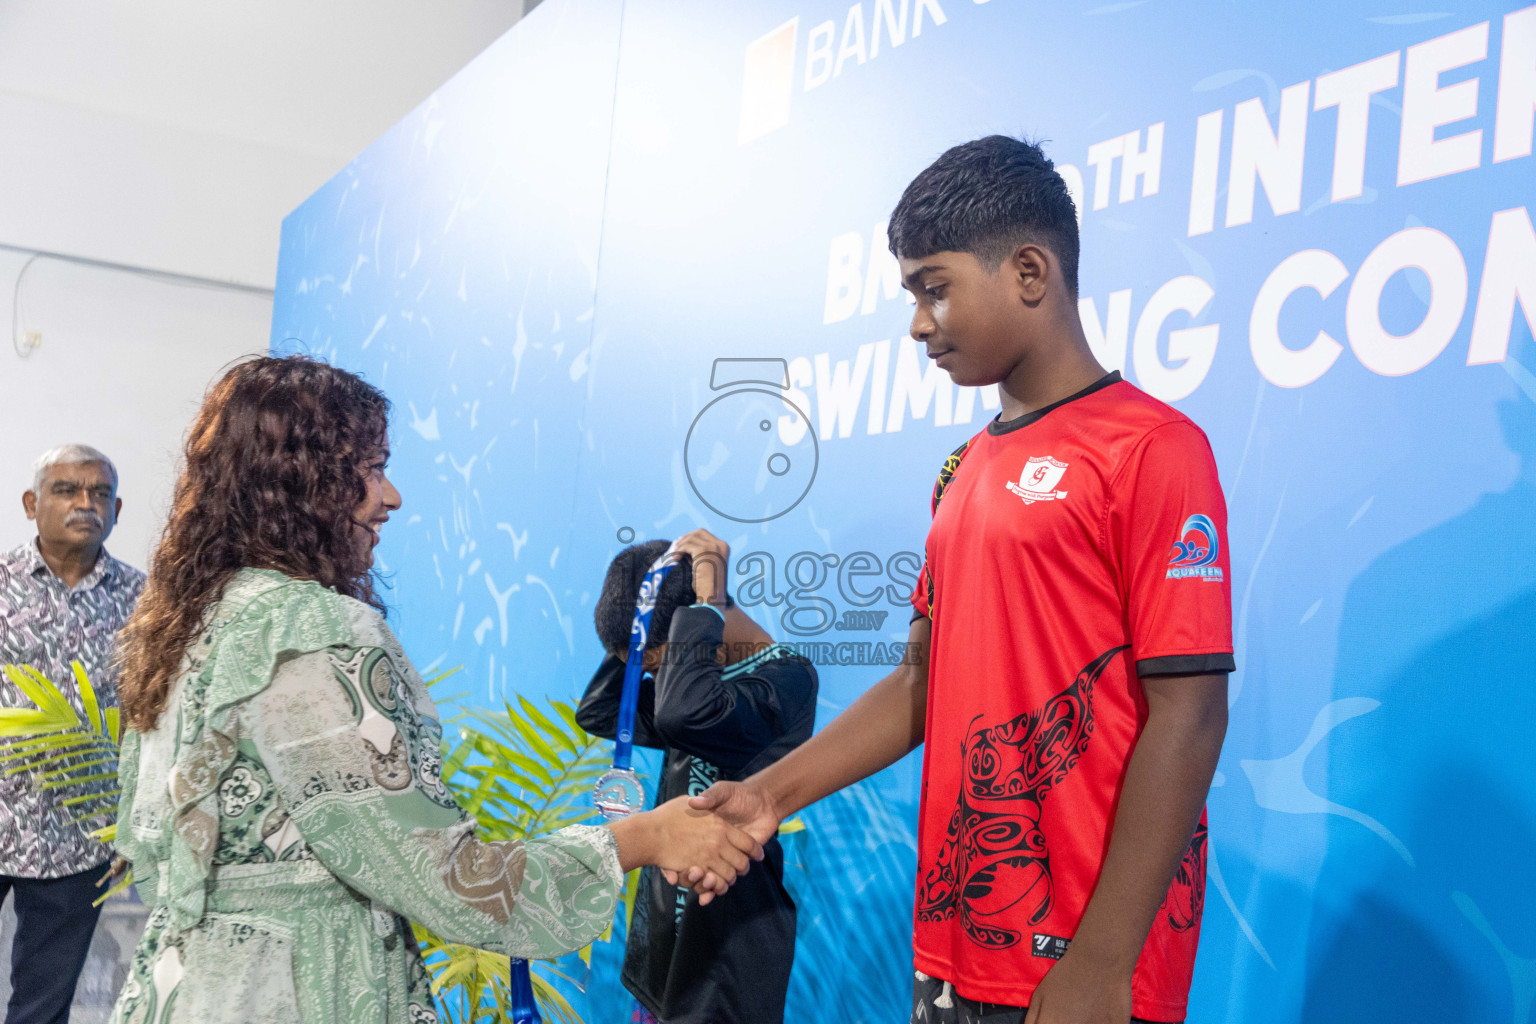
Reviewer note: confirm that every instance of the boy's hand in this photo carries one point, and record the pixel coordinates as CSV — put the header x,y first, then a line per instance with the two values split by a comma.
x,y
710,556
693,837
675,836
1080,992
743,804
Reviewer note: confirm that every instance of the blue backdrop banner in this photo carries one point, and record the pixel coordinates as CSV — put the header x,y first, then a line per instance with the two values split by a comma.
x,y
626,275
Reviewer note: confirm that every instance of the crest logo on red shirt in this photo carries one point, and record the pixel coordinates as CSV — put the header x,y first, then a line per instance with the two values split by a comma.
x,y
1038,480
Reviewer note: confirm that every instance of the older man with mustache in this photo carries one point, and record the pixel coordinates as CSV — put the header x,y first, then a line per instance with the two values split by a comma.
x,y
62,599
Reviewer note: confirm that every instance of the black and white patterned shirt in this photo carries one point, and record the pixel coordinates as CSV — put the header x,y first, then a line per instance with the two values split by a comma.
x,y
46,624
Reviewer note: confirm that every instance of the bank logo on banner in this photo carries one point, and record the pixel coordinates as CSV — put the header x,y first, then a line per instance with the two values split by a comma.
x,y
1195,550
1039,479
768,82
769,78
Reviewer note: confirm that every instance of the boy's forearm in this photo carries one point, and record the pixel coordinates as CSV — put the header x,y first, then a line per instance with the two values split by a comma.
x,y
875,732
1166,783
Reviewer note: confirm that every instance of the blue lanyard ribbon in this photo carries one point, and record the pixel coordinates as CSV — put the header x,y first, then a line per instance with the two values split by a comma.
x,y
634,667
619,793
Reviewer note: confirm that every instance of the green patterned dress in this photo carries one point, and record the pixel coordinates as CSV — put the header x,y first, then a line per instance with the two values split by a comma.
x,y
286,817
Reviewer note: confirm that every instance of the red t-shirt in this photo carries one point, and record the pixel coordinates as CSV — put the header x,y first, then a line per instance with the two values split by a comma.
x,y
1073,550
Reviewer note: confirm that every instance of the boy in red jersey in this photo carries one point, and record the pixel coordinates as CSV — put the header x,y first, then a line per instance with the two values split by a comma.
x,y
1071,643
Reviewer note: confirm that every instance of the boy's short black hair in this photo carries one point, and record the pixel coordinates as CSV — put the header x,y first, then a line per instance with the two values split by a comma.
x,y
615,612
986,198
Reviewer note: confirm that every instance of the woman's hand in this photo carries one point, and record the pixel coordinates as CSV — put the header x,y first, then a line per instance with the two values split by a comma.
x,y
676,837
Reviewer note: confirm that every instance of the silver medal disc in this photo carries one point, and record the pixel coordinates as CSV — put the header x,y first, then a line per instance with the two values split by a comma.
x,y
619,793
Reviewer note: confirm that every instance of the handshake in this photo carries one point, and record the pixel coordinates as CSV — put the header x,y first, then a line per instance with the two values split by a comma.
x,y
704,843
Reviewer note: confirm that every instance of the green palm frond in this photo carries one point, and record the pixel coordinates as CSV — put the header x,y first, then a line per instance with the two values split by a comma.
x,y
59,747
467,982
523,771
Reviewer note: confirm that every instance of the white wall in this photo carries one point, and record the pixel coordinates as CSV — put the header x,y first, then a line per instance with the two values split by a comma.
x,y
123,364
128,190
176,134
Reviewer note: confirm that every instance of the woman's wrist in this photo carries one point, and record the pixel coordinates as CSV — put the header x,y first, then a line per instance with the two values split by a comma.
x,y
636,840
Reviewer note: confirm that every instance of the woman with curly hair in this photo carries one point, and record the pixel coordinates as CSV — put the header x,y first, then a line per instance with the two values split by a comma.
x,y
282,806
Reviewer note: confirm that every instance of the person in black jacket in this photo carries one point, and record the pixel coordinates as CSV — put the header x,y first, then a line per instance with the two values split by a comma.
x,y
723,700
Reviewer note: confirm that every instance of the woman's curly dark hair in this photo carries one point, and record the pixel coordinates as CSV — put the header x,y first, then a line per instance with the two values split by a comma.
x,y
274,472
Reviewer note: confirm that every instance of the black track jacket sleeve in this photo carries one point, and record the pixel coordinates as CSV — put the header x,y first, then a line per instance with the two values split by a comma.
x,y
729,723
691,707
598,712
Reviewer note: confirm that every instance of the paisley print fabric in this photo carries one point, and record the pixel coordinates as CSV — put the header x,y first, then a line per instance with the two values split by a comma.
x,y
287,816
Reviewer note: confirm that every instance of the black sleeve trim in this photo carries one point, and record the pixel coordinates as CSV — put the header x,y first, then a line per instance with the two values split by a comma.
x,y
1186,665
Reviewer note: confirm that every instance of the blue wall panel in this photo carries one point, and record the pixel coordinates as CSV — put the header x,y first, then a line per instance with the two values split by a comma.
x,y
545,263
454,263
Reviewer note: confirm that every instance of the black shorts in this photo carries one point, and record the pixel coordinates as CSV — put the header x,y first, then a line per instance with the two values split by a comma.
x,y
936,1002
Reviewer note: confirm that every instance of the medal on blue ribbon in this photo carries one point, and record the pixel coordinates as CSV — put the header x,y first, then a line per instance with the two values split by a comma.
x,y
619,793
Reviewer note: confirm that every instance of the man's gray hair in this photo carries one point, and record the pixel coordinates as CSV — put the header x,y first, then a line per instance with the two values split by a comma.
x,y
68,455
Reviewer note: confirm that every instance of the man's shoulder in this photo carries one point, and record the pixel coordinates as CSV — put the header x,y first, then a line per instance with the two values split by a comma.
x,y
15,572
1137,429
1126,423
126,575
18,557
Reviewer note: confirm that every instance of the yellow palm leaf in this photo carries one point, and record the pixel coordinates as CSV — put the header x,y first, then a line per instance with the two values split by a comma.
x,y
88,697
51,732
36,688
